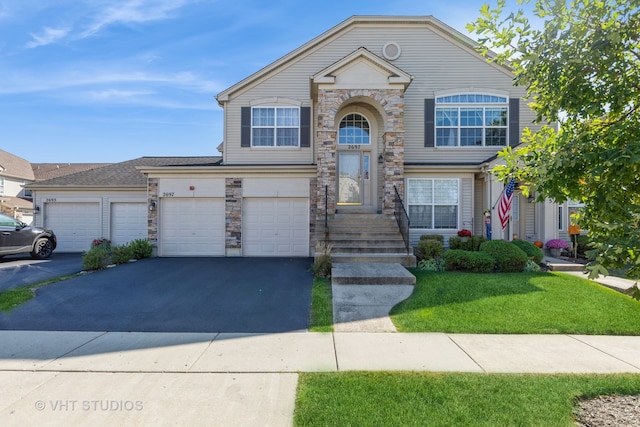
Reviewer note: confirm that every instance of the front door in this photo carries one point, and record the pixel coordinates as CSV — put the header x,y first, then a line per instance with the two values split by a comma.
x,y
350,178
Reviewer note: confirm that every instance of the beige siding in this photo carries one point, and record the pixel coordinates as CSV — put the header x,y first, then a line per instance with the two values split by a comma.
x,y
436,63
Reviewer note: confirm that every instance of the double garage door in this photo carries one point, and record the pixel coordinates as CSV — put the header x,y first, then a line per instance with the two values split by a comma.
x,y
77,224
270,227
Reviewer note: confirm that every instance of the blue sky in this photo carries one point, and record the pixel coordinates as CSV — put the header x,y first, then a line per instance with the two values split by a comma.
x,y
113,80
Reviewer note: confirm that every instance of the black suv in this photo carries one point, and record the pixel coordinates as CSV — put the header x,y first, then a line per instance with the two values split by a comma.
x,y
17,237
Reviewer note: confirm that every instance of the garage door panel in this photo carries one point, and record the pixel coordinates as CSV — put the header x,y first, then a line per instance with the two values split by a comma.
x,y
128,222
192,227
275,227
75,224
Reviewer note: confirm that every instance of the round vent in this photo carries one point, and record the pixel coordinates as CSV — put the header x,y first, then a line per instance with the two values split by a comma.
x,y
391,51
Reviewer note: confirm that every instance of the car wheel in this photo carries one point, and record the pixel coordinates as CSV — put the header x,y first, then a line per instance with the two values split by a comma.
x,y
42,249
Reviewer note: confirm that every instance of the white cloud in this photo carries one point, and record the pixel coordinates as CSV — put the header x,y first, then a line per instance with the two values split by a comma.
x,y
115,94
131,12
48,36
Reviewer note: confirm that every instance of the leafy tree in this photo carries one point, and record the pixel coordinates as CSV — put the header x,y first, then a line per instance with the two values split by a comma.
x,y
580,63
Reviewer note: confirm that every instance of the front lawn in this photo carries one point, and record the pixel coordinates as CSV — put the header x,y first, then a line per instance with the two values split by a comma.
x,y
515,303
321,306
431,399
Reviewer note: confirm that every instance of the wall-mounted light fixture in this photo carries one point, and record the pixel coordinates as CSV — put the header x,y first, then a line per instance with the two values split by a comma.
x,y
531,198
152,206
380,159
36,210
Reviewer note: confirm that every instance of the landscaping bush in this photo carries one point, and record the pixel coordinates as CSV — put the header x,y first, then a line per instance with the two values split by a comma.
x,y
141,248
429,249
467,261
532,251
472,244
531,267
438,237
583,244
322,264
431,265
121,254
509,258
96,258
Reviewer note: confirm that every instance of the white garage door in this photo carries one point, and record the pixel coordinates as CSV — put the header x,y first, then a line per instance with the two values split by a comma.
x,y
128,222
275,227
75,224
192,227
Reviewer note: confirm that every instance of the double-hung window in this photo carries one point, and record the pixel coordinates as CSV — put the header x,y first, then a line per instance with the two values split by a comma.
x,y
433,203
275,127
471,120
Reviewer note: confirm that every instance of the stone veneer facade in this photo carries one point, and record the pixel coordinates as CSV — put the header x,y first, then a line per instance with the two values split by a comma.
x,y
329,103
233,216
152,218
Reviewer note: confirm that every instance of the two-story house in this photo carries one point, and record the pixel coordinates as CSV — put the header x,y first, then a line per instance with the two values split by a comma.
x,y
375,110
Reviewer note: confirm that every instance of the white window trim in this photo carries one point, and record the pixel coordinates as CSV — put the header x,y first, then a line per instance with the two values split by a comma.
x,y
275,127
445,230
440,103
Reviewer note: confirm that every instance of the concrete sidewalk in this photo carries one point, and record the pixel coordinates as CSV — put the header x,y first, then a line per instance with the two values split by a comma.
x,y
67,378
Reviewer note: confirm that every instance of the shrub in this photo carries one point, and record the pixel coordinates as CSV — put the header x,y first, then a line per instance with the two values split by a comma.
x,y
121,254
531,267
429,249
584,244
322,263
471,262
509,258
96,258
472,244
431,265
532,251
141,248
102,243
438,237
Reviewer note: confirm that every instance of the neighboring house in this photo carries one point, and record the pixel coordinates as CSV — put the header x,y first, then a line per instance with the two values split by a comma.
x,y
15,172
373,106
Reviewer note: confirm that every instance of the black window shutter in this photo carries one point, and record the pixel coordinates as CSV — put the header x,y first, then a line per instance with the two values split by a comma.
x,y
305,126
514,121
245,123
429,122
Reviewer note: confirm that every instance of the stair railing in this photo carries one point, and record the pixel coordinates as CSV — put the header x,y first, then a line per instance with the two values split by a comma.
x,y
326,211
403,219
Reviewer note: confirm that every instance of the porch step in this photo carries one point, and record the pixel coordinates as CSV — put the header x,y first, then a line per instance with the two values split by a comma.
x,y
367,238
363,273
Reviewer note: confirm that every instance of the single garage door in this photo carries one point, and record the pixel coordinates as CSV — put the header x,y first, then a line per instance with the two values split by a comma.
x,y
275,227
128,222
192,227
75,224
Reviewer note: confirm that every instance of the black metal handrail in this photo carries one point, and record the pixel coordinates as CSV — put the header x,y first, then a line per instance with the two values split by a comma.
x,y
326,210
402,218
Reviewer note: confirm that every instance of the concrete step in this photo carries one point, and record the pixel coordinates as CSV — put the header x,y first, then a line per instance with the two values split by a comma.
x,y
364,249
377,258
360,273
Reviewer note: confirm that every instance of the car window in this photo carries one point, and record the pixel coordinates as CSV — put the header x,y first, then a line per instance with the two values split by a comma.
x,y
7,221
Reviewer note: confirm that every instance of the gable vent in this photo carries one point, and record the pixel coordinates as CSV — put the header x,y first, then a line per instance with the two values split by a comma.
x,y
391,51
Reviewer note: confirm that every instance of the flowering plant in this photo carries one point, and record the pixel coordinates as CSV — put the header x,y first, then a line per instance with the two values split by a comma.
x,y
101,242
557,244
464,233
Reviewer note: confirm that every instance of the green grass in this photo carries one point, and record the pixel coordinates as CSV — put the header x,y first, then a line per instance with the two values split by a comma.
x,y
421,399
536,303
321,306
11,298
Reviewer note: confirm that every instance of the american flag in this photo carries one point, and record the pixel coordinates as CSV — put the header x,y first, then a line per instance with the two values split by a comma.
x,y
504,209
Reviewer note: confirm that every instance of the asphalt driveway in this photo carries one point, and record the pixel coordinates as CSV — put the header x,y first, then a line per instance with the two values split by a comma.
x,y
18,270
261,295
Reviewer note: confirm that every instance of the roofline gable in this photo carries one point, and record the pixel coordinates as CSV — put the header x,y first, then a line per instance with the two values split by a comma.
x,y
453,34
396,75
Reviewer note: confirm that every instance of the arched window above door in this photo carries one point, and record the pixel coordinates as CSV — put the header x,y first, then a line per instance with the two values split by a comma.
x,y
354,129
